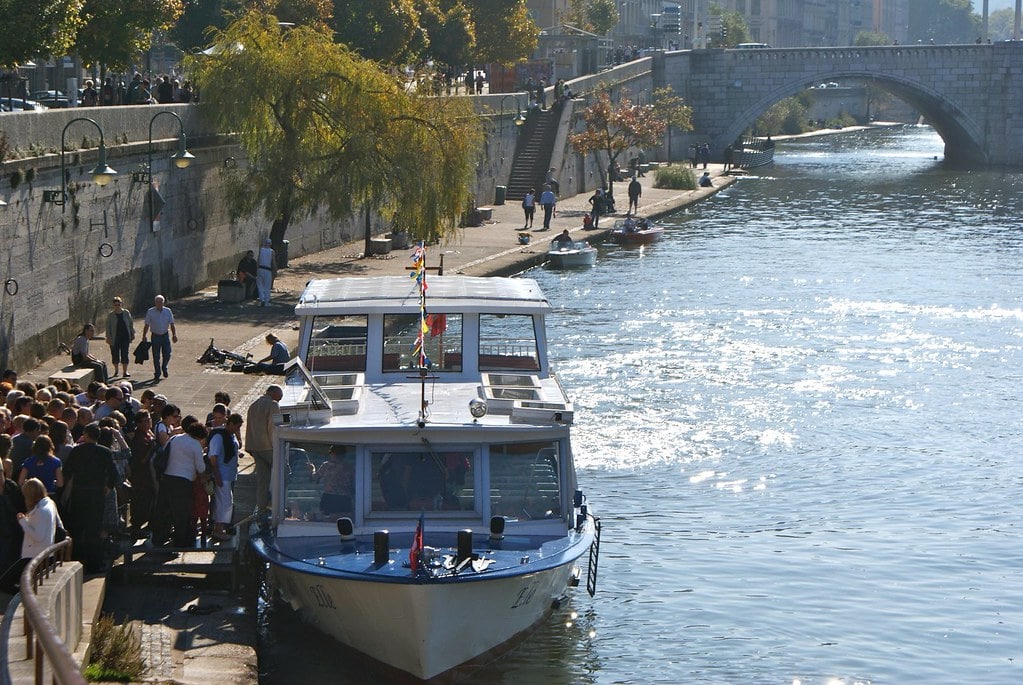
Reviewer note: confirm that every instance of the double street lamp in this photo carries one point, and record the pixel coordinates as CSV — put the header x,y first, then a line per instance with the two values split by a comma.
x,y
101,175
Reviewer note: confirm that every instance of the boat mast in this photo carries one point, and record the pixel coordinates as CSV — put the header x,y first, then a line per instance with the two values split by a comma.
x,y
422,361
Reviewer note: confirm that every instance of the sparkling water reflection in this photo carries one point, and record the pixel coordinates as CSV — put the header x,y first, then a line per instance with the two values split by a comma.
x,y
798,418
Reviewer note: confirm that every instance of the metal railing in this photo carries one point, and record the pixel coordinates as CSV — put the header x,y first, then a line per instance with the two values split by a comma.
x,y
5,638
42,643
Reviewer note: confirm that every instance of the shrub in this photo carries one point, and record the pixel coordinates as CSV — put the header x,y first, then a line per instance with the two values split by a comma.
x,y
116,653
675,177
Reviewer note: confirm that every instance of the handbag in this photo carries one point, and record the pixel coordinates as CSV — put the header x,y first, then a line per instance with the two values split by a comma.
x,y
209,486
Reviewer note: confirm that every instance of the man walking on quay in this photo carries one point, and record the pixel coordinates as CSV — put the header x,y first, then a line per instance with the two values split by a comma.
x,y
160,320
547,201
259,425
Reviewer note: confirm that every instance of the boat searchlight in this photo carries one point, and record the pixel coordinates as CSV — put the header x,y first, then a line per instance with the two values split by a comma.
x,y
478,408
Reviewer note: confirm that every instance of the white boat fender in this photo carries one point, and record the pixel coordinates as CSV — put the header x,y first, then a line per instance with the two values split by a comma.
x,y
464,545
346,529
381,548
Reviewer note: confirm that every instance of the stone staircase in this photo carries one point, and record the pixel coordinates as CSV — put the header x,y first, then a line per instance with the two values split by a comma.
x,y
533,152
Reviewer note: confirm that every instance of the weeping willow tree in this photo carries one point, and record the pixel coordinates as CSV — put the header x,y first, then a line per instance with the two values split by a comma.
x,y
326,131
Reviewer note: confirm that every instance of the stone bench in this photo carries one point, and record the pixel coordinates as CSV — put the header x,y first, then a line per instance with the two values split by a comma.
x,y
74,375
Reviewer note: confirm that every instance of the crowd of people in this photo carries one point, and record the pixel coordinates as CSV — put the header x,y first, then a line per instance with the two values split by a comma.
x,y
140,90
105,466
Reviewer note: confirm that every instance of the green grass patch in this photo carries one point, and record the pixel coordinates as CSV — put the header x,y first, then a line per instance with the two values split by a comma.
x,y
675,177
116,653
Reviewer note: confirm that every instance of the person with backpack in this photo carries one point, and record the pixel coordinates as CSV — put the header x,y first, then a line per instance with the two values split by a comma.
x,y
185,461
224,448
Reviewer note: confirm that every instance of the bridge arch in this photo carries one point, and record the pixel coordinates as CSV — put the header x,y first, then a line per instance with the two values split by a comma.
x,y
962,135
968,93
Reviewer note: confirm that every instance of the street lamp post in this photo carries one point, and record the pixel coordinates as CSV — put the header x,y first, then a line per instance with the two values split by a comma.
x,y
182,159
519,119
101,175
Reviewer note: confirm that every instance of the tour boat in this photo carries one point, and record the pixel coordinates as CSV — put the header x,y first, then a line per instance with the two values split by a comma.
x,y
570,254
635,231
425,510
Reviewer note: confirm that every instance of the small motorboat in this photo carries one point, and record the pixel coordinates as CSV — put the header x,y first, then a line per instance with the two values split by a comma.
x,y
635,231
570,254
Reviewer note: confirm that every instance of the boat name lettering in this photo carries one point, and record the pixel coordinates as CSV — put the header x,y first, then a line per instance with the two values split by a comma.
x,y
525,596
322,597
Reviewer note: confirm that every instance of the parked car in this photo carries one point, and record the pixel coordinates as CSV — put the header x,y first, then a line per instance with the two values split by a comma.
x,y
52,99
19,105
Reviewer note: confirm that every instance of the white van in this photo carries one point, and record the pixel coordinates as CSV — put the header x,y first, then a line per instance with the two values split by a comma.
x,y
751,46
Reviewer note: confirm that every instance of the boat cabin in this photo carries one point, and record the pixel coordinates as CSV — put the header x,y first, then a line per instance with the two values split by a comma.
x,y
369,433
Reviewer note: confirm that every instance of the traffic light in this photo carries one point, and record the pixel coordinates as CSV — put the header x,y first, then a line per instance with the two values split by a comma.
x,y
724,33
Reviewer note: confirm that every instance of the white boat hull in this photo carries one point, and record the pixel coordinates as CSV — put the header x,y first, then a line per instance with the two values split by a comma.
x,y
424,629
578,255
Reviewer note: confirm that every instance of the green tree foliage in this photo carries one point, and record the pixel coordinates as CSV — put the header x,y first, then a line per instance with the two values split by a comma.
x,y
328,131
603,15
673,111
116,31
387,31
1000,24
505,32
614,127
297,12
868,38
191,31
787,117
595,16
735,30
943,21
451,30
34,29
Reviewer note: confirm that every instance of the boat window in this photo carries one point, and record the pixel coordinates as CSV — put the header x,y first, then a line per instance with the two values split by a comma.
x,y
320,481
443,341
524,480
338,343
432,480
508,341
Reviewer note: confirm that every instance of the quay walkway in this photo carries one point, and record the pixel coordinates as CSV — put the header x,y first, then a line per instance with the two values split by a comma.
x,y
196,632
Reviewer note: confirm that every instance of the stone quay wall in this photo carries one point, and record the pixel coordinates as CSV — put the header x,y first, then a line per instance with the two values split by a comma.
x,y
61,266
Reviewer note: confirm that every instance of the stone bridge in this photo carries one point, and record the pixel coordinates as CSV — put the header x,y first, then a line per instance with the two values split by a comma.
x,y
971,94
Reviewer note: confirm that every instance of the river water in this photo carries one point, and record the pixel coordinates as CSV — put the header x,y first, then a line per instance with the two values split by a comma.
x,y
797,416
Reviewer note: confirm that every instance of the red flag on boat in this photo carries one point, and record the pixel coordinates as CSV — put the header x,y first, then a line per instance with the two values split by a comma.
x,y
415,552
437,323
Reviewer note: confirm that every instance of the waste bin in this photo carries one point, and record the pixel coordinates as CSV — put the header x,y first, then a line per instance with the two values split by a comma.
x,y
499,193
281,251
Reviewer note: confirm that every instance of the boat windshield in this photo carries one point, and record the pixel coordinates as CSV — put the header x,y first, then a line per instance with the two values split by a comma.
x,y
320,481
508,341
524,480
338,343
423,480
443,341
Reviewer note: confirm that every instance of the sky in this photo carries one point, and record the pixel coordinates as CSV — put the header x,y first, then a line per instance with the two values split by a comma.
x,y
992,5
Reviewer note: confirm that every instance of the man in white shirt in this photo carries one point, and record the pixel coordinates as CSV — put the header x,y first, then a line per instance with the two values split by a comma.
x,y
160,320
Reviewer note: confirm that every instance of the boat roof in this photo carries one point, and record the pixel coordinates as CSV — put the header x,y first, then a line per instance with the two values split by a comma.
x,y
377,294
